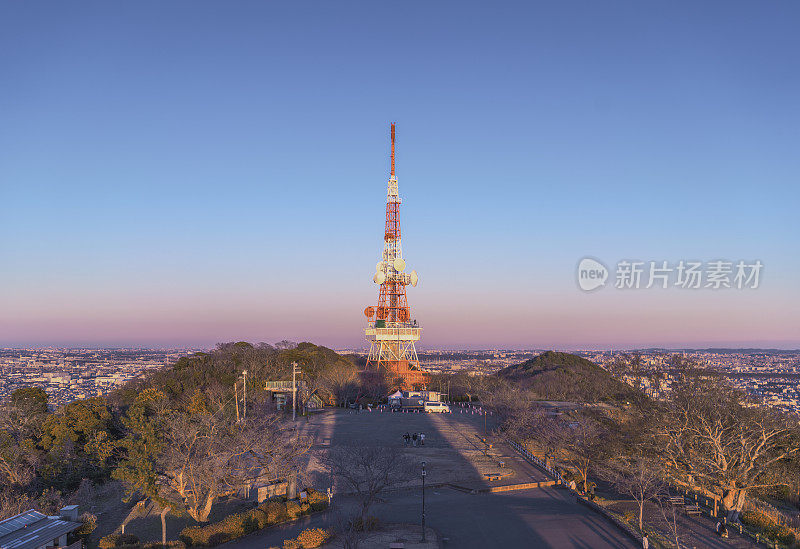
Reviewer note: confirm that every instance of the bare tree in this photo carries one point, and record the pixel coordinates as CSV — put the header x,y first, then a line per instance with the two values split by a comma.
x,y
669,512
579,442
367,471
350,534
639,477
339,380
713,438
185,459
206,456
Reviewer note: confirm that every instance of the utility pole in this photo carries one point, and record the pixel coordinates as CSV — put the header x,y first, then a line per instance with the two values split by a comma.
x,y
423,501
294,390
244,407
236,398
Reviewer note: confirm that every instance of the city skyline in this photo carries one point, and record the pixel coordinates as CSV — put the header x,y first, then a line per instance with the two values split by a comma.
x,y
187,179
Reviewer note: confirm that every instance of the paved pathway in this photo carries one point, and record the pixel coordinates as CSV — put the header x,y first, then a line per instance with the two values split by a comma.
x,y
541,518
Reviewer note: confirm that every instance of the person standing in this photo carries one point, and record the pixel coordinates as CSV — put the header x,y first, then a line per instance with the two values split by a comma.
x,y
645,542
414,438
422,439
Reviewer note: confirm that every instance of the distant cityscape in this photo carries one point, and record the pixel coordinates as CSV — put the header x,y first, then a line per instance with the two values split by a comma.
x,y
71,374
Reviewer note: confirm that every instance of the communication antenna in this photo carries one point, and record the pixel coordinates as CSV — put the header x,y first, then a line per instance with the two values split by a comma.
x,y
392,335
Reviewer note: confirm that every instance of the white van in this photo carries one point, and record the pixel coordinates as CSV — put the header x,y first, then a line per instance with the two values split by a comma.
x,y
434,407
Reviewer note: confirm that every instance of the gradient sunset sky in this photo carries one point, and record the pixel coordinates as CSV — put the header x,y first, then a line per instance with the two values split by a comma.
x,y
188,172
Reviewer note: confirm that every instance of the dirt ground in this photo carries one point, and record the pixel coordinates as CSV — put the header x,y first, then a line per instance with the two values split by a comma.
x,y
694,530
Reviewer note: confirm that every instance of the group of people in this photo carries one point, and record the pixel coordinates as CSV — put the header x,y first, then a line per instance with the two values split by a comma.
x,y
416,438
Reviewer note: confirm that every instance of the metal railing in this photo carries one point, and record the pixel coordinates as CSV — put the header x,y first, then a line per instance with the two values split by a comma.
x,y
394,333
536,461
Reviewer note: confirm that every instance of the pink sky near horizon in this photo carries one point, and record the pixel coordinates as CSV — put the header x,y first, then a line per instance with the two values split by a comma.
x,y
565,318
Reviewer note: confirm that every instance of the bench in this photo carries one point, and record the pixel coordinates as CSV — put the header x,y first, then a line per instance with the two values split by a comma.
x,y
677,500
397,545
692,510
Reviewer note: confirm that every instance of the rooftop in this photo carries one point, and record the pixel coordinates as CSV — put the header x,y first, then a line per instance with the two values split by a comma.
x,y
33,529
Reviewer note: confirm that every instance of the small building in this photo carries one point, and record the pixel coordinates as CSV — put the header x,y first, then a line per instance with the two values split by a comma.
x,y
413,399
281,395
281,391
35,530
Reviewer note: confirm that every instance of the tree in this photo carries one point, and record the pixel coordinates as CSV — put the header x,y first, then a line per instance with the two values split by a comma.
x,y
367,471
79,440
638,477
21,419
30,400
713,437
185,458
340,381
579,442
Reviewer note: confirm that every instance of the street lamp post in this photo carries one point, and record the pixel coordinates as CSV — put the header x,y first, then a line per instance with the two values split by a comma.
x,y
244,383
423,501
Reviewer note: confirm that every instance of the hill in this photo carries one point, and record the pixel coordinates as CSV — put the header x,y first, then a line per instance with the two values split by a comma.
x,y
215,372
564,376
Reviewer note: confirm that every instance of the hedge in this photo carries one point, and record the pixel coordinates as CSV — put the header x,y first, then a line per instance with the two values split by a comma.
x,y
113,541
240,524
309,538
129,541
768,527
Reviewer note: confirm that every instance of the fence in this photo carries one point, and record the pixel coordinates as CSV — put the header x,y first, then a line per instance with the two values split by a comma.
x,y
536,461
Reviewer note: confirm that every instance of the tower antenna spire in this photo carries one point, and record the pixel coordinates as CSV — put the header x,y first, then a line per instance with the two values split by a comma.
x,y
390,330
392,148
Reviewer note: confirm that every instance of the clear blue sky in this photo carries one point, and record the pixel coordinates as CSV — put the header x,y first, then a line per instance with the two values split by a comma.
x,y
181,173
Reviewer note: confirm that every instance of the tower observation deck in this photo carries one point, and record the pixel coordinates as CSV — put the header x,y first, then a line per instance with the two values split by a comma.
x,y
390,329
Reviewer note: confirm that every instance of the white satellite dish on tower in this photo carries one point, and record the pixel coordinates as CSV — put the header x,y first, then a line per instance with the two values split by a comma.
x,y
379,277
399,264
414,278
379,266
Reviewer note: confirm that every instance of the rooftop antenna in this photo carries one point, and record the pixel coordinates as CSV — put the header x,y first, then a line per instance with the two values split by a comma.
x,y
392,148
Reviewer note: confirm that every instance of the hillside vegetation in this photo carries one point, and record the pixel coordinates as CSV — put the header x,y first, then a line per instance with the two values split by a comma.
x,y
143,431
564,376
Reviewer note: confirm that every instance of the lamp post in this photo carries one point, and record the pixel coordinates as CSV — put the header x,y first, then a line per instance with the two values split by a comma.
x,y
423,501
294,390
244,383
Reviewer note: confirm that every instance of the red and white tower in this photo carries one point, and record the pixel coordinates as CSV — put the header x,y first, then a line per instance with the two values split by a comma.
x,y
390,330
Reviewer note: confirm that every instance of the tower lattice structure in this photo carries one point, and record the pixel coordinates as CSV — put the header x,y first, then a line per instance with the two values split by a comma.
x,y
390,330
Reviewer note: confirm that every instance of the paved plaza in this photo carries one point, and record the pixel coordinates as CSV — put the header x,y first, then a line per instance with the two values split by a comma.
x,y
455,455
454,449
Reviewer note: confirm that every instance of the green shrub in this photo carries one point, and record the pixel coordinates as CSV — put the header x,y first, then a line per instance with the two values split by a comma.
x,y
118,540
88,525
293,510
313,537
768,527
169,545
259,519
240,524
275,510
756,520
